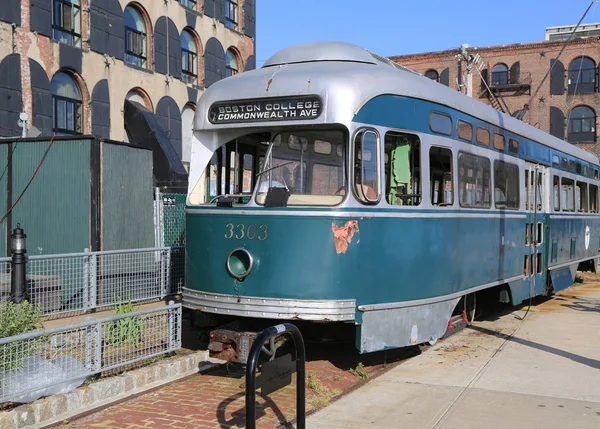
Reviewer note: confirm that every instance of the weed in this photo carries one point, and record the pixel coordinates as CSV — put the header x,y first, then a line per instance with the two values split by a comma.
x,y
337,377
578,280
360,371
125,331
16,319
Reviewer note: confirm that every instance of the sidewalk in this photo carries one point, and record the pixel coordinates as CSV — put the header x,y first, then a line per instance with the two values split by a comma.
x,y
543,372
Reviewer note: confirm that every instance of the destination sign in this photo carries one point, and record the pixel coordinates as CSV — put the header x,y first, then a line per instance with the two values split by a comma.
x,y
266,110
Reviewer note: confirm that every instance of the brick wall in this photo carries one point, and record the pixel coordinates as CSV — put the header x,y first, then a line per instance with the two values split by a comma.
x,y
535,60
121,77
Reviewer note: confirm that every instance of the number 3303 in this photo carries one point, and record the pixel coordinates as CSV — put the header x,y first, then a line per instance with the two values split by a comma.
x,y
250,232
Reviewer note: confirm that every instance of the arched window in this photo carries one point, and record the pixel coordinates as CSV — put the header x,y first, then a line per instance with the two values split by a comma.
x,y
135,38
189,58
67,106
433,75
231,64
500,74
582,125
582,76
66,21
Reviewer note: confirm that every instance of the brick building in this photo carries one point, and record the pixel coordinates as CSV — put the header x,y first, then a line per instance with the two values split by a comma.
x,y
72,64
567,104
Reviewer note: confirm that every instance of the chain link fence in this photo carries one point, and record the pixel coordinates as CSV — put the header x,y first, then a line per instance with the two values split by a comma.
x,y
169,221
54,360
76,282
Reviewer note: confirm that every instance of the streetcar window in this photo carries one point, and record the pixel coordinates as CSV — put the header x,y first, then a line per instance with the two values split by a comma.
x,y
473,181
578,168
297,143
322,147
595,173
308,177
440,176
440,123
506,185
366,167
555,161
403,169
572,166
513,146
564,164
247,174
499,141
567,194
581,197
585,171
483,136
593,199
465,131
556,183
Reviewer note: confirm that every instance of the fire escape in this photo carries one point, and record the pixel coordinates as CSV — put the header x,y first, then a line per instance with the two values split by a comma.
x,y
501,83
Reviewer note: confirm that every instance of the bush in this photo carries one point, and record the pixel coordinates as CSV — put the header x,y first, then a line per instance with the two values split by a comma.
x,y
16,319
128,330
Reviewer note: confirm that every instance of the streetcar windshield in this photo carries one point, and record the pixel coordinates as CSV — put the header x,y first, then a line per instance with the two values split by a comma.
x,y
302,168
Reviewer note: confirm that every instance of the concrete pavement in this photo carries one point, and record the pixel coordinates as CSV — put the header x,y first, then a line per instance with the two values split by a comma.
x,y
543,372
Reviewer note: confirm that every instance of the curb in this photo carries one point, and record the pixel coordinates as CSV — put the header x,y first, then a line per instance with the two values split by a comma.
x,y
57,408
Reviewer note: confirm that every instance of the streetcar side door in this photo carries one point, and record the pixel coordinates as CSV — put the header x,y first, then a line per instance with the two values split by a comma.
x,y
535,262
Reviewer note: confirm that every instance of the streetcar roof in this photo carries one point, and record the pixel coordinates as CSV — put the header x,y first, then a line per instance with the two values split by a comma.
x,y
345,77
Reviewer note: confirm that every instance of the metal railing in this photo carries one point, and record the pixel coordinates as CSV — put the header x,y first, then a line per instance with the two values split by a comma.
x,y
44,362
83,281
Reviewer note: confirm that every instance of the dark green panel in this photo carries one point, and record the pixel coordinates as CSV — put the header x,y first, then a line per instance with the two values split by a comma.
x,y
55,209
3,180
127,198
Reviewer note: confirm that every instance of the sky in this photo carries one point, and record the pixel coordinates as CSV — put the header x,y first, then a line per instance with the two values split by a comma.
x,y
397,27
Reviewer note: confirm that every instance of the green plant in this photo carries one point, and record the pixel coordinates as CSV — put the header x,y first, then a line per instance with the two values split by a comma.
x,y
16,319
128,330
315,384
360,371
322,394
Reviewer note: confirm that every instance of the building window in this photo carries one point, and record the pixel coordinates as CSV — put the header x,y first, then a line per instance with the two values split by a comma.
x,y
500,74
231,66
231,14
190,4
67,107
189,58
66,22
582,125
433,75
135,38
582,76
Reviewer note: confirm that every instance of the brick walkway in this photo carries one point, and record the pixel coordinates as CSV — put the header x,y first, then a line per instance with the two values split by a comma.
x,y
217,399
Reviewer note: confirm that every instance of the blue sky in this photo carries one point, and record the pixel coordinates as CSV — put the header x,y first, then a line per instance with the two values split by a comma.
x,y
395,27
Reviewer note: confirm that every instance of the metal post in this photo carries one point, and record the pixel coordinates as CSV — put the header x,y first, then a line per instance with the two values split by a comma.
x,y
18,279
93,272
300,369
86,280
98,347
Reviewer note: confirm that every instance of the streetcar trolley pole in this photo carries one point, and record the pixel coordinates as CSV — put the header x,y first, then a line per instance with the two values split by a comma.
x,y
276,373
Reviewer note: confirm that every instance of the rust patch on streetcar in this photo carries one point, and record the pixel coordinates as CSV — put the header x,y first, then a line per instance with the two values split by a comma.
x,y
342,235
269,84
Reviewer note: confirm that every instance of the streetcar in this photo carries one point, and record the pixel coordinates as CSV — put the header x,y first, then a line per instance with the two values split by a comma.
x,y
334,186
